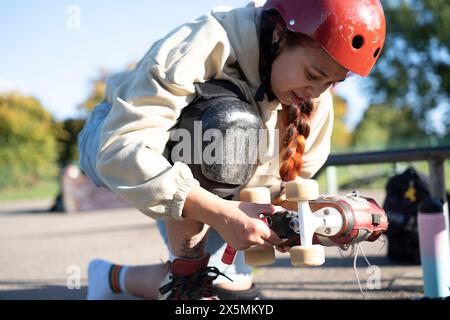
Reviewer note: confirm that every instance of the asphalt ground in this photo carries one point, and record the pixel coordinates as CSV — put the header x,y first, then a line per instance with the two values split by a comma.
x,y
41,253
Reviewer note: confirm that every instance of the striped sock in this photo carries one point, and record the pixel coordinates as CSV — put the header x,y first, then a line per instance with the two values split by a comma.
x,y
116,278
105,279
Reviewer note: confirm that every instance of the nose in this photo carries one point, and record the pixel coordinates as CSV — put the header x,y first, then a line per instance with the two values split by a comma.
x,y
312,92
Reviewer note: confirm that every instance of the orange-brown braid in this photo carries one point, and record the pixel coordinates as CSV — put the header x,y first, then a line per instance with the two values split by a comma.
x,y
297,122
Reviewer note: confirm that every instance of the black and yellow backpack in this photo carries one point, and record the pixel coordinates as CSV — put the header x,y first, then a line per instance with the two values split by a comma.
x,y
404,193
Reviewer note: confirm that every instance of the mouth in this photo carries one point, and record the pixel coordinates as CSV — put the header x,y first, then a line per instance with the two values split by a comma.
x,y
296,99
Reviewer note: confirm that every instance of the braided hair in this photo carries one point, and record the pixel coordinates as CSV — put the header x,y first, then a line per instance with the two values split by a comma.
x,y
295,118
297,131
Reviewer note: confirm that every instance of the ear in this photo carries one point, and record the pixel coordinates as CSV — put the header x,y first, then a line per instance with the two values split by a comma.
x,y
277,32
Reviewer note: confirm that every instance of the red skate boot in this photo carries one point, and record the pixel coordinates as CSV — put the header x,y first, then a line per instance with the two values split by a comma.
x,y
346,219
321,221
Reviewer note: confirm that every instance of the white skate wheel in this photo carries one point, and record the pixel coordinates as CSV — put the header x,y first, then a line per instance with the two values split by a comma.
x,y
307,256
302,190
255,195
258,256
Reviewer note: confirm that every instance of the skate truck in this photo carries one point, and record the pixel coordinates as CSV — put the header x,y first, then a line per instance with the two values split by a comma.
x,y
319,221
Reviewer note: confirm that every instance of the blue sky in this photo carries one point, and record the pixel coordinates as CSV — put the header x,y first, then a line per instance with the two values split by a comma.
x,y
44,54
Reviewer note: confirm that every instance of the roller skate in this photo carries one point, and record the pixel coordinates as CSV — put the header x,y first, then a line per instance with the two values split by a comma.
x,y
319,221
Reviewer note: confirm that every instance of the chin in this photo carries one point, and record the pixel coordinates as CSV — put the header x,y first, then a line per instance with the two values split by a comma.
x,y
284,100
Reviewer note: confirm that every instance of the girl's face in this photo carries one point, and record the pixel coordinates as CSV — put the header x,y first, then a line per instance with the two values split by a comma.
x,y
301,73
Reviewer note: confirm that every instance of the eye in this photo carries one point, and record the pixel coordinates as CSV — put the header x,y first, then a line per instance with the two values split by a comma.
x,y
309,76
335,83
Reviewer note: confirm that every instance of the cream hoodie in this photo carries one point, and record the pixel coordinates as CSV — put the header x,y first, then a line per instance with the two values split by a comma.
x,y
147,101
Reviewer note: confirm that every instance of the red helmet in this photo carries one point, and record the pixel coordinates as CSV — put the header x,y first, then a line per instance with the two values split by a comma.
x,y
351,31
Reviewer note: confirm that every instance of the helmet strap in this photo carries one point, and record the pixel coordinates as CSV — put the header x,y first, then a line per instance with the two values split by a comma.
x,y
268,52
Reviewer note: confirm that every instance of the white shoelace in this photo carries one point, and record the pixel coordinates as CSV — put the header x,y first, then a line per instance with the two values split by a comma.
x,y
358,247
353,251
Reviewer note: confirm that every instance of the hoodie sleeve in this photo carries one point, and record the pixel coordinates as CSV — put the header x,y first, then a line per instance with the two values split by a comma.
x,y
145,105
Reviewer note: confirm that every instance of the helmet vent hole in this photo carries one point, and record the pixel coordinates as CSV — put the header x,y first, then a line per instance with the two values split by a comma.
x,y
376,53
358,42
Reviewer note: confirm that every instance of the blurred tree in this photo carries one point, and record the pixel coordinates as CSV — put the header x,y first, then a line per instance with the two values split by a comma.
x,y
67,133
96,94
385,127
341,136
414,68
28,148
69,129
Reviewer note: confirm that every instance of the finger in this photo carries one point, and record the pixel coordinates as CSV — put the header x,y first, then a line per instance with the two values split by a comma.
x,y
260,242
263,244
283,249
280,249
271,237
266,245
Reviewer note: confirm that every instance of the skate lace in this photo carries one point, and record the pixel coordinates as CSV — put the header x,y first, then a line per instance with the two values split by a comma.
x,y
194,286
354,250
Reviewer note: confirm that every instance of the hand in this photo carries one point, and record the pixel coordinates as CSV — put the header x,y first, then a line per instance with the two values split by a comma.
x,y
240,224
288,205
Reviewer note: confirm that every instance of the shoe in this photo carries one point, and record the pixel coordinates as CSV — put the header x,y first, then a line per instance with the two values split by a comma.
x,y
190,279
226,294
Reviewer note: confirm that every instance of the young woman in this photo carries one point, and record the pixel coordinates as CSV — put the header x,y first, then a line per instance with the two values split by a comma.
x,y
248,70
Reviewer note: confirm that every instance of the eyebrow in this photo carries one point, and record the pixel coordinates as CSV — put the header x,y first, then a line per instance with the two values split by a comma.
x,y
325,75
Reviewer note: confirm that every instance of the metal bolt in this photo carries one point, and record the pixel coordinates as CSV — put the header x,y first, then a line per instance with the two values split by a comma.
x,y
326,212
291,22
327,230
294,225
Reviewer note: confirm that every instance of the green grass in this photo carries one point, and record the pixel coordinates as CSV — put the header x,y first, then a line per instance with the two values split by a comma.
x,y
45,189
